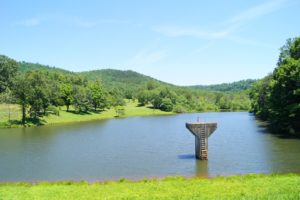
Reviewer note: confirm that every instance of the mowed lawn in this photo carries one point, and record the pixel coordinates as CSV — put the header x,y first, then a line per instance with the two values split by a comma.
x,y
9,111
131,109
269,187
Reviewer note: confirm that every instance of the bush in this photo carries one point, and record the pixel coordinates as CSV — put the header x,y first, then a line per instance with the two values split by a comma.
x,y
179,109
166,105
52,110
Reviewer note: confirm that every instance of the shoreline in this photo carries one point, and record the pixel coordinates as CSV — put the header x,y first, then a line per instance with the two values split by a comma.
x,y
88,120
151,178
131,110
250,186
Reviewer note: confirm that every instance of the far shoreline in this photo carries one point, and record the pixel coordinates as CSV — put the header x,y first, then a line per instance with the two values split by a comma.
x,y
131,110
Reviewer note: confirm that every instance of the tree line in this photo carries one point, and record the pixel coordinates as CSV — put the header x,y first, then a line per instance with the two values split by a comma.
x,y
276,98
40,91
237,86
186,99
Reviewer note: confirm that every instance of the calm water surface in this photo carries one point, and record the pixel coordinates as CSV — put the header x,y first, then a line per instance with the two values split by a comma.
x,y
140,147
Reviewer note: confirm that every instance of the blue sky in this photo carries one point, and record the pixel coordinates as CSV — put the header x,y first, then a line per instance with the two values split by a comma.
x,y
181,42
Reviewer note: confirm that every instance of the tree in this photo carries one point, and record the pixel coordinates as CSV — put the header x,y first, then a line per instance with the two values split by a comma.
x,y
166,104
8,70
38,94
81,100
66,91
54,87
151,85
115,98
97,95
155,98
260,97
276,98
285,96
143,97
20,92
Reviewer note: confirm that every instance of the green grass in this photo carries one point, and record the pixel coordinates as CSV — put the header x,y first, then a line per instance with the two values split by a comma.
x,y
15,112
235,187
131,109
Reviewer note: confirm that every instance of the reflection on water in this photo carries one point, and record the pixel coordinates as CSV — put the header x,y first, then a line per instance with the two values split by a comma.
x,y
140,147
201,168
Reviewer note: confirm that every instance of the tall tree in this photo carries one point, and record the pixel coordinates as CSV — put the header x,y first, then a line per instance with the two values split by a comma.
x,y
277,97
20,91
39,93
67,95
97,95
285,96
8,70
81,100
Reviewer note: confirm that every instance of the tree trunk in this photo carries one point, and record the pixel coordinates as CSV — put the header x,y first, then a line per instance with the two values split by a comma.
x,y
67,108
23,114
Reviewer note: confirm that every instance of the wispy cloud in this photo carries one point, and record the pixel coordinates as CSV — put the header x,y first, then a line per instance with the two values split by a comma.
x,y
257,11
87,23
175,31
250,42
228,27
69,20
30,22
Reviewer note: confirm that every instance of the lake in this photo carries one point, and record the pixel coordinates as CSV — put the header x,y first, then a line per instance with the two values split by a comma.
x,y
143,147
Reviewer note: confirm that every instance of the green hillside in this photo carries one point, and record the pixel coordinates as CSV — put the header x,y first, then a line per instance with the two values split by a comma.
x,y
42,90
132,85
123,80
130,79
110,75
227,87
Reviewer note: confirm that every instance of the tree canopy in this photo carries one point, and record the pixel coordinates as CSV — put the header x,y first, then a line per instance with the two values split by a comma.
x,y
41,90
276,98
8,69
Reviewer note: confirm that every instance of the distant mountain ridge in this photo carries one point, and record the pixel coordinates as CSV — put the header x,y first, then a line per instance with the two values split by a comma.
x,y
122,79
227,87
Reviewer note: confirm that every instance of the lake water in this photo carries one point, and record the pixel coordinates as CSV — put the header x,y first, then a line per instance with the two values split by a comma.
x,y
140,147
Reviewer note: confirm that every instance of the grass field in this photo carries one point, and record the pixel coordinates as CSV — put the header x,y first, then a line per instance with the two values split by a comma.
x,y
235,187
131,109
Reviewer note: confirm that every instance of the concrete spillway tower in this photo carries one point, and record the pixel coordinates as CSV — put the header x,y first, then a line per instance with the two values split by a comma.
x,y
201,131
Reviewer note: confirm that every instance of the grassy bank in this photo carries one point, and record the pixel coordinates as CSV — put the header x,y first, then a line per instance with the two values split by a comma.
x,y
236,187
131,109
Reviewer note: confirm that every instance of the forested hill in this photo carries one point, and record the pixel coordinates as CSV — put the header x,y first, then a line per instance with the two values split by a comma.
x,y
41,89
111,78
131,79
121,79
227,87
